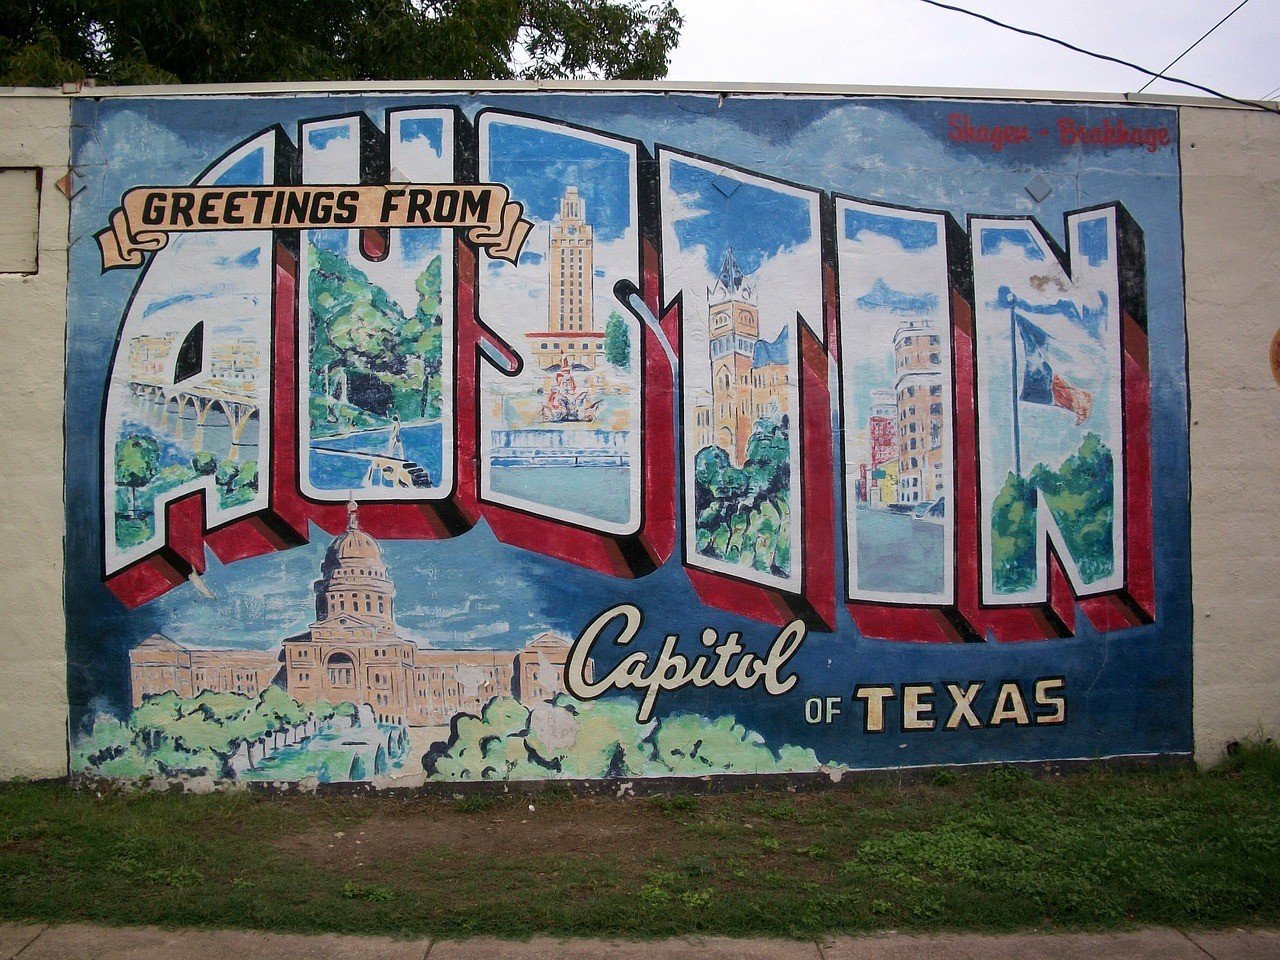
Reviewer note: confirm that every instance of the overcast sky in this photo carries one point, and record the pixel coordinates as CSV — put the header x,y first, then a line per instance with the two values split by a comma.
x,y
909,43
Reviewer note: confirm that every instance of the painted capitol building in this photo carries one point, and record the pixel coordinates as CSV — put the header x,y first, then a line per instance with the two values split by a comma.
x,y
353,653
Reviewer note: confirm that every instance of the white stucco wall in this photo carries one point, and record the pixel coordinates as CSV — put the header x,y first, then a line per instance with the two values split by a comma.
x,y
33,663
1231,231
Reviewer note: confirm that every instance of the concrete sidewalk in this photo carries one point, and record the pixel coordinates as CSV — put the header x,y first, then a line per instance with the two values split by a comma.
x,y
80,942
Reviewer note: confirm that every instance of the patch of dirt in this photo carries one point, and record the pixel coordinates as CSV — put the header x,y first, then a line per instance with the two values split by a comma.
x,y
408,831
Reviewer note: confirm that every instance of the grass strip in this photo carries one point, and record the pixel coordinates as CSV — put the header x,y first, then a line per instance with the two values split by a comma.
x,y
992,851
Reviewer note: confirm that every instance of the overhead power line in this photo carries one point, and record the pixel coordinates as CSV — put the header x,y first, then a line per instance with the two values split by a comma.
x,y
1098,56
1271,94
1169,66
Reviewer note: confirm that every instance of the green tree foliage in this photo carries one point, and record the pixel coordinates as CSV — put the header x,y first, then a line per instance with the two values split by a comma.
x,y
137,463
360,332
204,463
136,456
601,739
237,480
44,42
1013,536
744,513
225,476
617,341
1081,496
279,710
168,735
487,747
108,749
422,336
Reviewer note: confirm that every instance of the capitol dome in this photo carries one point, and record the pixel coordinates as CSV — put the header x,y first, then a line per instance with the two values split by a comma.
x,y
353,543
353,578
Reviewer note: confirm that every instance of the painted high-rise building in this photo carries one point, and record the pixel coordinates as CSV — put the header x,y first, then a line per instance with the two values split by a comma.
x,y
883,427
571,334
922,464
882,448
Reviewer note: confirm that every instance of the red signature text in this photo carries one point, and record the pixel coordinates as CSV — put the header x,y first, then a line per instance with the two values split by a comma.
x,y
962,131
1112,133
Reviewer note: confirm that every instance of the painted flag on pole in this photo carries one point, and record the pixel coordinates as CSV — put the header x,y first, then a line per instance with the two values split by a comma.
x,y
1040,384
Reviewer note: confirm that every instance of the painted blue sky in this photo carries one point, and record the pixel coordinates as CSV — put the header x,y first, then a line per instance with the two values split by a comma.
x,y
430,129
1088,318
881,296
321,137
1094,241
419,244
910,233
1092,245
995,239
248,169
892,263
225,262
156,306
755,220
483,596
538,164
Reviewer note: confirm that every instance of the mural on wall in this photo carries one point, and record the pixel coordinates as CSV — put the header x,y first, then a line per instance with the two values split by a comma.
x,y
495,437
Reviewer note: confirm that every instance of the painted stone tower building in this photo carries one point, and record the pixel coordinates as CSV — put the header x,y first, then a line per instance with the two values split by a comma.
x,y
571,327
734,321
750,377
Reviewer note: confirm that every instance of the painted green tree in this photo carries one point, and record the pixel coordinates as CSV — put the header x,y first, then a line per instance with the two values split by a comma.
x,y
744,513
422,336
137,463
204,463
617,342
237,481
169,735
601,739
1080,494
369,362
1013,536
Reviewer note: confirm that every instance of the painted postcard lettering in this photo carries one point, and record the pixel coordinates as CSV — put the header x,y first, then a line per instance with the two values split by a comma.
x,y
487,436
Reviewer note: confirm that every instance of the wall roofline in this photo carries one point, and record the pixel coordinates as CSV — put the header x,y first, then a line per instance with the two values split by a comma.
x,y
649,87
